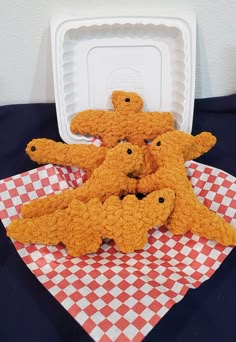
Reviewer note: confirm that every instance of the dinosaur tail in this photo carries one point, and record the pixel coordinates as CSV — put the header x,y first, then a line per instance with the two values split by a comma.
x,y
213,227
48,205
46,229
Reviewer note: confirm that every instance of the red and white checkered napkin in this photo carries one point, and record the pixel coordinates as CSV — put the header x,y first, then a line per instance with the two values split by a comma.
x,y
118,297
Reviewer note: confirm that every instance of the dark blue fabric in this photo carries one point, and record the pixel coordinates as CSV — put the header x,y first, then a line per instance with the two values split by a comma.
x,y
18,125
28,312
218,115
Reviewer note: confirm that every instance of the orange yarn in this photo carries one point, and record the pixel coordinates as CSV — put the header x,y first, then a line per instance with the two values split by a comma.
x,y
189,214
82,226
81,217
127,121
86,157
113,177
105,181
89,157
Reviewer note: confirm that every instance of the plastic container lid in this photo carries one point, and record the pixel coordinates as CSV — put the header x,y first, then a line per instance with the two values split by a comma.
x,y
153,56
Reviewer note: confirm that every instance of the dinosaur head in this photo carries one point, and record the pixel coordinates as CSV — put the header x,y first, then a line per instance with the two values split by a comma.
x,y
171,147
126,102
158,206
38,149
127,158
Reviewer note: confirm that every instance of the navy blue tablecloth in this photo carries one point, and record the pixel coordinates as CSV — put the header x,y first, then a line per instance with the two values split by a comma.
x,y
28,312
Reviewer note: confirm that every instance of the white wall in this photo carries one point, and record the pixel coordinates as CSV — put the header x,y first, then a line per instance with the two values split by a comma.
x,y
25,56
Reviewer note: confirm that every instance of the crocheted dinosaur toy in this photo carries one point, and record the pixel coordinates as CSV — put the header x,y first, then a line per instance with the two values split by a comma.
x,y
82,226
124,123
110,169
89,157
99,181
127,121
86,157
189,213
115,176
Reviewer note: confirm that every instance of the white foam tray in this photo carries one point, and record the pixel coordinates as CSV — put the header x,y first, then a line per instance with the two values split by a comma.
x,y
153,56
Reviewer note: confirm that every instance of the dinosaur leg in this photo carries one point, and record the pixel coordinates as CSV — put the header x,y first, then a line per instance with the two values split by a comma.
x,y
84,235
126,247
83,241
132,238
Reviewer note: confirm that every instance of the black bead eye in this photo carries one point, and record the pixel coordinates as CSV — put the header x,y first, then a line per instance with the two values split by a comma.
x,y
161,200
129,151
33,148
127,99
158,143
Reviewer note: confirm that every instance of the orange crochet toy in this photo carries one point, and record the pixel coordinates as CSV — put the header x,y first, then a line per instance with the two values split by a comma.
x,y
82,226
113,171
188,214
89,157
101,181
127,121
115,176
86,157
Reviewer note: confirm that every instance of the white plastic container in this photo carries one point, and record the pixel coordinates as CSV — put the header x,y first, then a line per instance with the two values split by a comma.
x,y
153,56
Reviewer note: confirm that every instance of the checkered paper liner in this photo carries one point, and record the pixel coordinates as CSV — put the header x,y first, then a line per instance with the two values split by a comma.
x,y
115,296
